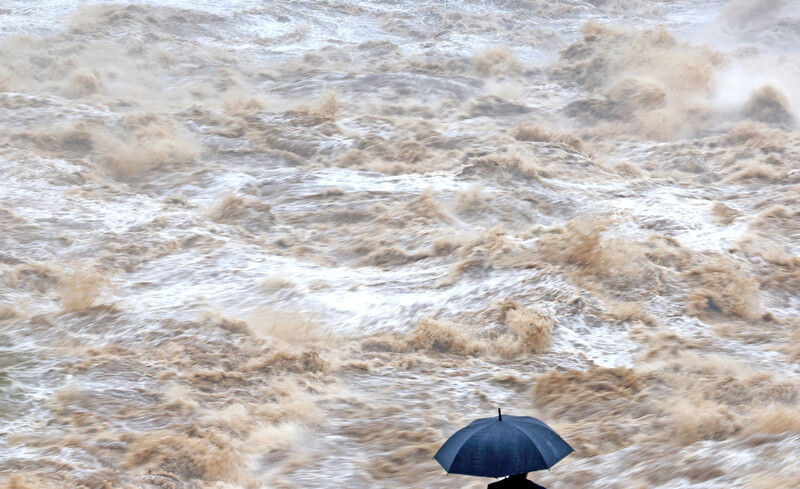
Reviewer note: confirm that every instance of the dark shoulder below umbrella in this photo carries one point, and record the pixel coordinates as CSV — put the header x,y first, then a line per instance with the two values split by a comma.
x,y
515,483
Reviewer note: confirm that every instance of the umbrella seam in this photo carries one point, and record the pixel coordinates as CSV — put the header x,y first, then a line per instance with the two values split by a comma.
x,y
535,445
464,443
461,445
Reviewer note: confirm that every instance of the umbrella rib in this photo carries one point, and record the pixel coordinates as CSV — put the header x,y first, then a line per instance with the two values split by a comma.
x,y
466,440
542,426
534,443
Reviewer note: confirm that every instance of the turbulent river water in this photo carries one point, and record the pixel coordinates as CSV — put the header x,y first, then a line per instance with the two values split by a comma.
x,y
298,244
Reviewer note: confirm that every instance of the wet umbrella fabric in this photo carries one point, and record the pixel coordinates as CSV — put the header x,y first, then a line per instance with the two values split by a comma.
x,y
502,445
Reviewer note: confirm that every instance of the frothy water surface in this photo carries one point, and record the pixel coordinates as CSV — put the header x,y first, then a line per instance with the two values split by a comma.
x,y
253,244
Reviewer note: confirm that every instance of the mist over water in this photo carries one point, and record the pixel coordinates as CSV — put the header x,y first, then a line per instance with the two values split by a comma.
x,y
252,244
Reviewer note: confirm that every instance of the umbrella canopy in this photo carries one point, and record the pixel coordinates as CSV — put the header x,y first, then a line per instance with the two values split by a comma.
x,y
502,445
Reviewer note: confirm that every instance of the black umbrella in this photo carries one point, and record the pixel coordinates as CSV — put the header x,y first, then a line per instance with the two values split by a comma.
x,y
505,445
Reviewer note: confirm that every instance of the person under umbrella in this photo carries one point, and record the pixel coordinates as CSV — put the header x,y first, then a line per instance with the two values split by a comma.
x,y
499,447
519,481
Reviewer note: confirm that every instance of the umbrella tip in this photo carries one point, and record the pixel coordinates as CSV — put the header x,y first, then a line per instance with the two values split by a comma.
x,y
499,414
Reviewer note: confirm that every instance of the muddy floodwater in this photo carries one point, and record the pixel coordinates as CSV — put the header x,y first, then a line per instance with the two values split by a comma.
x,y
260,244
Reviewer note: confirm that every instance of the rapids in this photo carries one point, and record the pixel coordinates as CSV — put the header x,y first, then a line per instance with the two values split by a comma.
x,y
298,244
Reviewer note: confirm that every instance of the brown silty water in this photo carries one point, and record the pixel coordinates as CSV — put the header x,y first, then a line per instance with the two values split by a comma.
x,y
301,243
